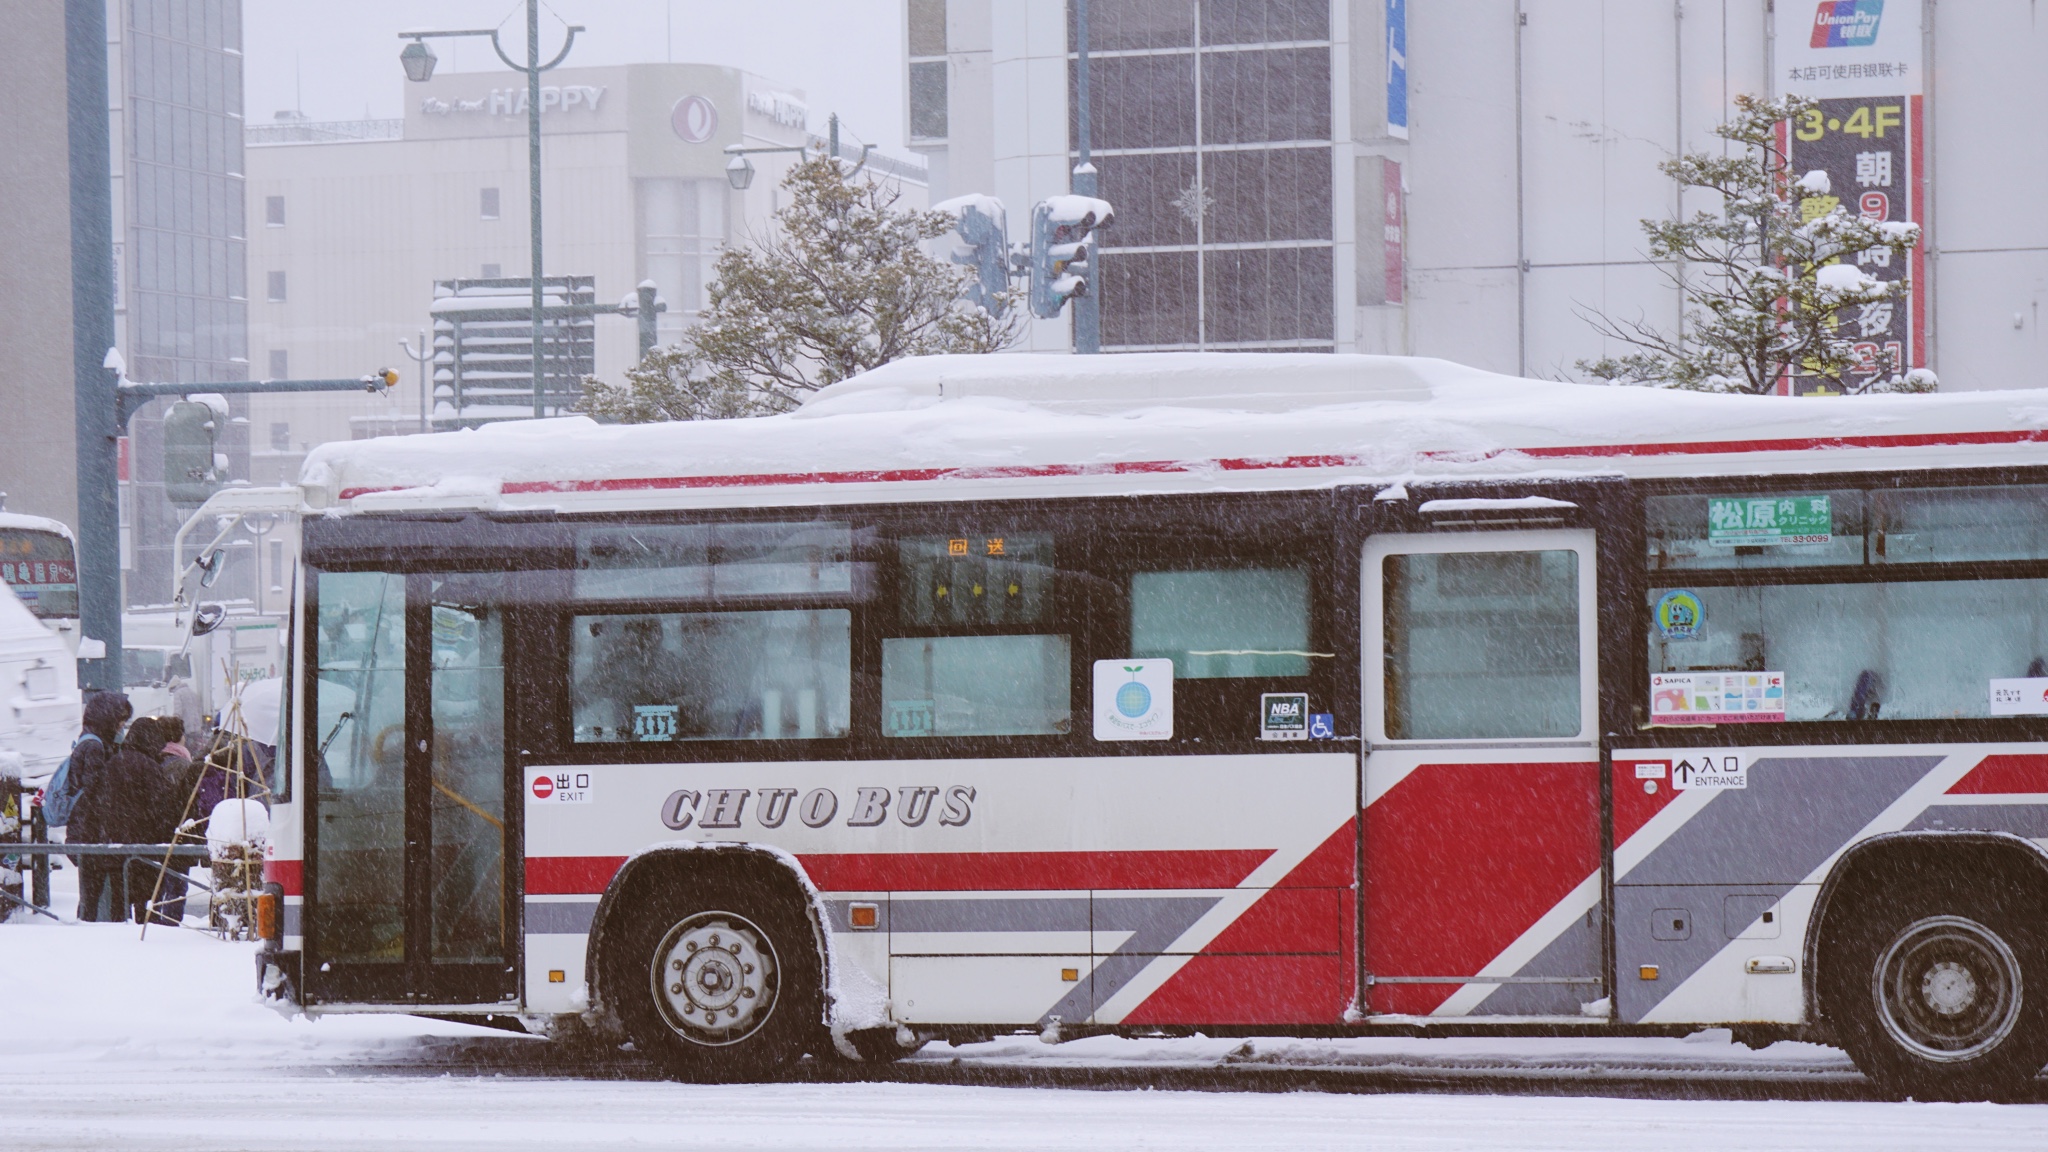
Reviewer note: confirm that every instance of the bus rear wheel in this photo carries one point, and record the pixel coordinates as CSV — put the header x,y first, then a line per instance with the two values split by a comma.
x,y
1942,994
714,978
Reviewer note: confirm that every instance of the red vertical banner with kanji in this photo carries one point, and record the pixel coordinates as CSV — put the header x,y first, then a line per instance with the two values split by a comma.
x,y
1861,60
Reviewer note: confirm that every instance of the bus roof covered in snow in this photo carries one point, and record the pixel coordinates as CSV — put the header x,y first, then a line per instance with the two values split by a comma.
x,y
991,427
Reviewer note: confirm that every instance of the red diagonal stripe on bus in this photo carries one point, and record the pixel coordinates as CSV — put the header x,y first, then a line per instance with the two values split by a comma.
x,y
951,871
1244,464
2004,774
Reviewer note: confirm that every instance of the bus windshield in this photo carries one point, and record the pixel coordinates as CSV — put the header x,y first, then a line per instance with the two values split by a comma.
x,y
42,569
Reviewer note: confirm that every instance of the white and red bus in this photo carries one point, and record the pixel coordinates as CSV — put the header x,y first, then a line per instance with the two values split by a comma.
x,y
1289,694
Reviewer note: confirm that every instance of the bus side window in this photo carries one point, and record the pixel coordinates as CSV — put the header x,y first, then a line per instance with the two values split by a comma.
x,y
1482,645
1223,623
1002,677
661,676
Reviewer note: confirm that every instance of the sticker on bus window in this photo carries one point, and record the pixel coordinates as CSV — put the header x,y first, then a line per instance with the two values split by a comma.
x,y
1134,699
654,721
1717,697
1680,615
1283,716
1753,520
2024,696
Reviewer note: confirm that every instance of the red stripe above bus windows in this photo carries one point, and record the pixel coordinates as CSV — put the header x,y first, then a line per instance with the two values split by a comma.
x,y
952,871
2002,775
1240,464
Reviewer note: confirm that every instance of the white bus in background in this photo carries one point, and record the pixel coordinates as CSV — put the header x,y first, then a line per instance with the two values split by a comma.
x,y
39,561
1241,694
39,698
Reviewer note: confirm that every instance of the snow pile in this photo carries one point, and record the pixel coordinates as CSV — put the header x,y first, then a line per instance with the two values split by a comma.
x,y
237,828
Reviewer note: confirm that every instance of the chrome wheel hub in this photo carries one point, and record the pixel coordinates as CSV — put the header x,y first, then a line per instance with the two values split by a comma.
x,y
715,978
1948,989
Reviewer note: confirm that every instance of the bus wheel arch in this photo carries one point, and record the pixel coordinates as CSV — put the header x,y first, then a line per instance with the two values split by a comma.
x,y
1927,959
739,923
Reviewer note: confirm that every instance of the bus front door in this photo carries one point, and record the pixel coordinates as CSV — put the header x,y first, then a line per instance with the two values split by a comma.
x,y
407,895
1482,820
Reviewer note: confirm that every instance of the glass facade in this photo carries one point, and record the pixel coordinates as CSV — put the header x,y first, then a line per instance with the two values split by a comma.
x,y
185,278
1210,125
187,310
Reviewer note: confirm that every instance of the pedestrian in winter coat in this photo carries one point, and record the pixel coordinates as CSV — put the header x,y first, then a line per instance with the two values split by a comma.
x,y
128,803
99,877
180,777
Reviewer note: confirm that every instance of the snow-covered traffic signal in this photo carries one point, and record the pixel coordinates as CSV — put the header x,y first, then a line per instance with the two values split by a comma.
x,y
1060,267
193,470
984,227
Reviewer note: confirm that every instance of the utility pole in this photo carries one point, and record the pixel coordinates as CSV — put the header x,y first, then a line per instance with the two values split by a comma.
x,y
1088,307
92,340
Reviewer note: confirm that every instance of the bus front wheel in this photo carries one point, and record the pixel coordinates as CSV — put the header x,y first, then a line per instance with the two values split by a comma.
x,y
1941,993
714,977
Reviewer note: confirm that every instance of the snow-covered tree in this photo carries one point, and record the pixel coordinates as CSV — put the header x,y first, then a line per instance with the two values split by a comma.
x,y
841,283
1767,281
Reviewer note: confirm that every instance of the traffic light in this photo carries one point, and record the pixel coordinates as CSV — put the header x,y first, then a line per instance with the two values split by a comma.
x,y
192,470
1059,249
984,225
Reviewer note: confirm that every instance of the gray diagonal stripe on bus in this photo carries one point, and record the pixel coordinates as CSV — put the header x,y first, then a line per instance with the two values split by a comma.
x,y
1796,812
566,917
990,914
1576,953
2028,820
1154,923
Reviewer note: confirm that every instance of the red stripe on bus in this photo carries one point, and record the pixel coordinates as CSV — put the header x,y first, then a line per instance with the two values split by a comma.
x,y
2004,774
951,871
289,875
1241,464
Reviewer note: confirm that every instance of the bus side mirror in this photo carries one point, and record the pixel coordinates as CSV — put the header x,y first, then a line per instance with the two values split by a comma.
x,y
207,617
210,566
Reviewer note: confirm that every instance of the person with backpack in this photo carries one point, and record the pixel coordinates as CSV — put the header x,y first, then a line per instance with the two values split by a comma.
x,y
78,778
127,802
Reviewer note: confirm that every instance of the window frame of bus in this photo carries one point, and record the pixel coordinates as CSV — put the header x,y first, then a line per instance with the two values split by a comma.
x,y
557,607
1871,486
1068,615
1289,530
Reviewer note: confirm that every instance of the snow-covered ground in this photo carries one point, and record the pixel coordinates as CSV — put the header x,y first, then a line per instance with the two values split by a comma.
x,y
114,1042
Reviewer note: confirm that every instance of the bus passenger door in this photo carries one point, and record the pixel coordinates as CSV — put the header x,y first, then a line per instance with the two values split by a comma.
x,y
1482,819
407,899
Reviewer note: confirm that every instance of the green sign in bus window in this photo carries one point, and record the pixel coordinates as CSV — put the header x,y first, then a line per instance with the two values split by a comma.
x,y
1770,520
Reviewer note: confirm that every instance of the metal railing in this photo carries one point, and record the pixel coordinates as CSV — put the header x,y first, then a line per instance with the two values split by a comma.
x,y
39,850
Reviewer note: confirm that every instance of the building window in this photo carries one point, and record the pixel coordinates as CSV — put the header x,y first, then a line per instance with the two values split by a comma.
x,y
277,287
487,204
927,55
493,271
927,27
928,100
280,434
273,211
280,360
1216,244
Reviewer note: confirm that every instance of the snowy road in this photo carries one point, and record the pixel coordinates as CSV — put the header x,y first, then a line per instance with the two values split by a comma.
x,y
160,1045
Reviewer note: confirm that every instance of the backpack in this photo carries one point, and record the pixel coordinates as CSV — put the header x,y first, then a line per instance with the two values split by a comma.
x,y
60,795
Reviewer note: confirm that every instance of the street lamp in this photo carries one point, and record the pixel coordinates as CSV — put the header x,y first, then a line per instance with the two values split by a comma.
x,y
739,171
418,61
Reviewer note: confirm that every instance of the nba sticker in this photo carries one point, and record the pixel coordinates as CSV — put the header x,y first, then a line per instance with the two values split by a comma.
x,y
1680,615
1283,716
1134,699
556,786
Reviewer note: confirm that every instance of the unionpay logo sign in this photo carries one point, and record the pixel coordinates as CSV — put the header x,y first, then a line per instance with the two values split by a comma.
x,y
1846,23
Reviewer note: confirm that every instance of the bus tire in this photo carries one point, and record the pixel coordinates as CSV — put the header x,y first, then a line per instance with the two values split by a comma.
x,y
1940,992
714,975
